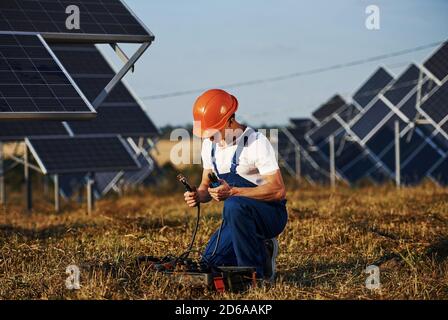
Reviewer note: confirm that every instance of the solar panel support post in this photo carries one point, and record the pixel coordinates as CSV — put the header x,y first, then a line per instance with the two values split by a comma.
x,y
298,164
90,200
117,78
332,162
397,155
2,177
57,204
121,54
27,175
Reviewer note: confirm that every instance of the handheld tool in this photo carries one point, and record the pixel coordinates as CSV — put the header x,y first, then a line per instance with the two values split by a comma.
x,y
214,180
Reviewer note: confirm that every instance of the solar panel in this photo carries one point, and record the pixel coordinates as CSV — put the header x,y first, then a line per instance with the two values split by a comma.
x,y
71,183
147,166
352,161
35,85
121,112
440,172
417,167
435,108
374,85
328,108
370,119
18,130
60,155
312,166
319,134
437,64
304,124
348,112
105,181
403,85
99,21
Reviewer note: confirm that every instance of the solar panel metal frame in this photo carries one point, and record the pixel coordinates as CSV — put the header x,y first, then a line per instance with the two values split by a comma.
x,y
138,104
29,144
50,115
128,177
395,110
342,131
110,180
103,38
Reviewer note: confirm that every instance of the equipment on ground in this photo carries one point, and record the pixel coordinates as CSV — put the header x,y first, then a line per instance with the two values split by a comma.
x,y
188,271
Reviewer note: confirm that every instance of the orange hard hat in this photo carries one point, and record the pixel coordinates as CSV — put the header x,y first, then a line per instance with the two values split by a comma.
x,y
211,111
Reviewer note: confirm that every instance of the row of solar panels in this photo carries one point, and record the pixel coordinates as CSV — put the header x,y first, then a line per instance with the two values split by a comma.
x,y
363,129
48,71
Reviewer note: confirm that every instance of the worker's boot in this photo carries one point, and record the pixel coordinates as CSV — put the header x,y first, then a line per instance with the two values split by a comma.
x,y
271,246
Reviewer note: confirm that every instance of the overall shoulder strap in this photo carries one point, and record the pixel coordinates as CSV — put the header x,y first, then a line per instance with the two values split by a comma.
x,y
241,144
214,158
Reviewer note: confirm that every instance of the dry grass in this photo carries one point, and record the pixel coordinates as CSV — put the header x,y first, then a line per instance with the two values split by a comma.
x,y
328,242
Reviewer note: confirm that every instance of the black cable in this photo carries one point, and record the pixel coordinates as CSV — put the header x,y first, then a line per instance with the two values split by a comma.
x,y
193,238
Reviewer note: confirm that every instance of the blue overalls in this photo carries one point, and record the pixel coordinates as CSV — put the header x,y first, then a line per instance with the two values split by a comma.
x,y
246,222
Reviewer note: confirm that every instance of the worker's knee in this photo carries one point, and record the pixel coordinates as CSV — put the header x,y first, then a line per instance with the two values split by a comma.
x,y
234,208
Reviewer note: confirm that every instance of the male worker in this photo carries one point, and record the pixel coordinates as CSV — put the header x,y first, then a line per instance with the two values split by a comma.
x,y
251,187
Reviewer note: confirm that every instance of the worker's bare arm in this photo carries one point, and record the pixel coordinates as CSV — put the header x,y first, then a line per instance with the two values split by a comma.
x,y
272,190
201,194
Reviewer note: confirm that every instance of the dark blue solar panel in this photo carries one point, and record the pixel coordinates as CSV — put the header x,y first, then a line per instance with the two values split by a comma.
x,y
82,154
33,85
69,184
120,113
302,124
18,130
322,132
440,172
409,107
100,20
352,161
437,64
417,168
147,166
403,85
436,106
328,108
313,166
105,181
348,112
370,119
377,82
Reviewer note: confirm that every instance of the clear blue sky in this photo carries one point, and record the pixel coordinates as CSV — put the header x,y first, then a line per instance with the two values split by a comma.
x,y
205,43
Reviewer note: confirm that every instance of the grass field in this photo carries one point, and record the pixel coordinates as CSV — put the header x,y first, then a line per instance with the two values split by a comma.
x,y
328,242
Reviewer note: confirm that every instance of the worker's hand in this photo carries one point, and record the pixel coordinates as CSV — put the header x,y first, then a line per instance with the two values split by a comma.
x,y
191,198
222,192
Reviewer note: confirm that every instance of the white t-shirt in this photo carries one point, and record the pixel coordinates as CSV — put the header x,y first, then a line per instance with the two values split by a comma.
x,y
256,159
